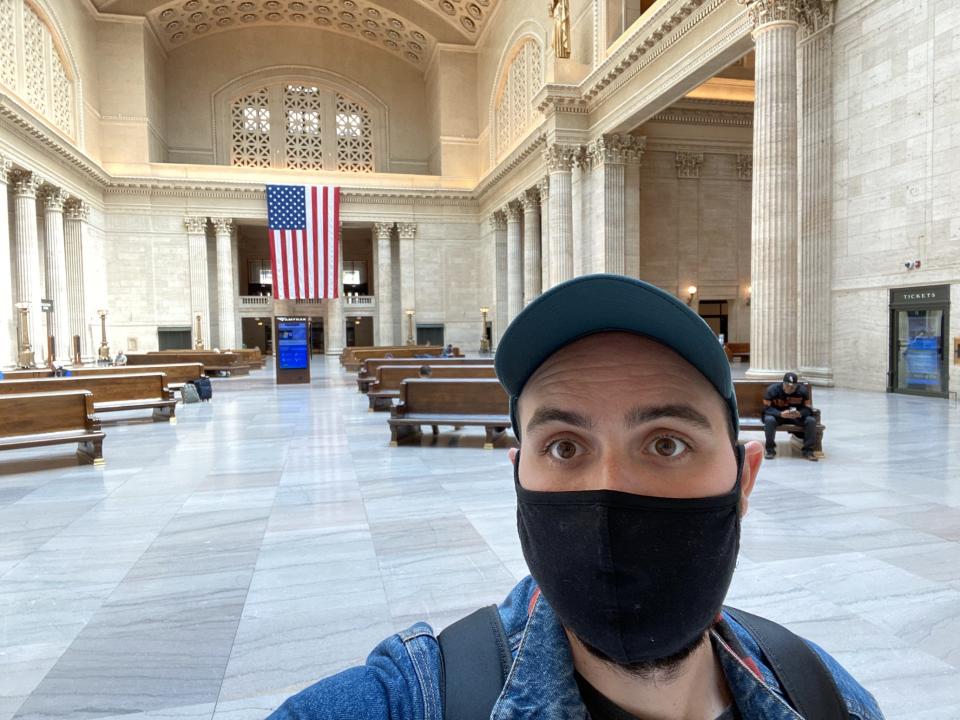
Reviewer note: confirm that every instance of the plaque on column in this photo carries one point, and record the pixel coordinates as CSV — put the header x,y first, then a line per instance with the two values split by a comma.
x,y
292,355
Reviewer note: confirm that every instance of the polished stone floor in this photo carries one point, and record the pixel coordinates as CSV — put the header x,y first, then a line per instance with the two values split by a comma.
x,y
273,536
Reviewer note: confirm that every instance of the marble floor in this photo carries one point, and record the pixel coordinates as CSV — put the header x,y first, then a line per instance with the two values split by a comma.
x,y
272,537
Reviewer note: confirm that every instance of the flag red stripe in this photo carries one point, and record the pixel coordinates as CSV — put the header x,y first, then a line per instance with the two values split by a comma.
x,y
283,259
315,242
273,263
336,242
326,245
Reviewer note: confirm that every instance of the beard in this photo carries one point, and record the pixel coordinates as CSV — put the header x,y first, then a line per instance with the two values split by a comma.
x,y
666,668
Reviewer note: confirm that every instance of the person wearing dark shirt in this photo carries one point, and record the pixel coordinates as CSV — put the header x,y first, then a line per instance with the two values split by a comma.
x,y
788,403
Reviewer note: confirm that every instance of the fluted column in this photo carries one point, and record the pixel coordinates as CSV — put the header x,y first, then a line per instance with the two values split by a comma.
x,y
75,218
27,244
609,157
8,318
514,260
815,236
498,224
54,200
559,159
773,320
383,285
335,329
530,200
226,302
199,277
407,233
546,259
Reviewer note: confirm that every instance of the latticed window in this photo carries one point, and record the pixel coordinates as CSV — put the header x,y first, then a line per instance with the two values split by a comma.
x,y
32,66
312,116
514,113
354,137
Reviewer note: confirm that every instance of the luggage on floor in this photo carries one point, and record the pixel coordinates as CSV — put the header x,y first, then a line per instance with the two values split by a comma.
x,y
188,393
204,388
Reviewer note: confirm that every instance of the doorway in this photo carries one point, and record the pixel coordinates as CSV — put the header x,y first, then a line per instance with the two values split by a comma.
x,y
714,313
919,357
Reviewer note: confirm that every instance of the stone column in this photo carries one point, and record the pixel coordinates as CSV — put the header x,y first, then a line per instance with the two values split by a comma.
x,y
514,260
609,157
559,159
76,215
580,199
335,330
199,281
8,317
383,285
226,301
27,244
408,275
773,320
54,200
532,272
815,236
546,259
498,224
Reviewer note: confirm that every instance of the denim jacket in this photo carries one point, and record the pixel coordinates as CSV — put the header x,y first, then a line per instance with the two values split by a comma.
x,y
402,678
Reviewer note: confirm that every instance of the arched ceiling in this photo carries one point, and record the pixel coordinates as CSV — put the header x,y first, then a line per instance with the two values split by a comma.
x,y
407,28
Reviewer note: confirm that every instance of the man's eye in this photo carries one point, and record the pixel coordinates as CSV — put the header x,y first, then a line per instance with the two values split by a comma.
x,y
668,447
562,449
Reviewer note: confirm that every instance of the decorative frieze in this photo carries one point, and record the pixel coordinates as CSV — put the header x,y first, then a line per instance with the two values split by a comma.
x,y
688,165
690,116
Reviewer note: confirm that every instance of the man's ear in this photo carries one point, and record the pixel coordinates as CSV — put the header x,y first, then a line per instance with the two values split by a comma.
x,y
752,458
512,454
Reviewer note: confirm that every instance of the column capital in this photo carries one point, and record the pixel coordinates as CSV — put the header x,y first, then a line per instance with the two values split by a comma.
x,y
514,211
77,209
529,200
383,230
6,167
407,231
195,224
768,12
498,221
222,225
54,198
560,157
688,165
544,187
616,148
25,183
815,15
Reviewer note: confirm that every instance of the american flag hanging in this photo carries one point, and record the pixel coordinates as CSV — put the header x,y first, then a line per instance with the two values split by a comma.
x,y
304,224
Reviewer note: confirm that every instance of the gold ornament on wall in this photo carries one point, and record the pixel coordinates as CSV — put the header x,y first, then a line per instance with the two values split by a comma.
x,y
560,12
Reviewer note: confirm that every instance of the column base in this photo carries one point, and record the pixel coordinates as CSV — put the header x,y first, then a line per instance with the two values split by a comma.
x,y
766,374
333,351
817,376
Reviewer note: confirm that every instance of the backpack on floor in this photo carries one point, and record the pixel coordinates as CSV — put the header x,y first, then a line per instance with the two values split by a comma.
x,y
204,387
476,660
188,393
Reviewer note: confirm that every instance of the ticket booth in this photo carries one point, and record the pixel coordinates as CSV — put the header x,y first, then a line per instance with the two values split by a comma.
x,y
292,354
919,332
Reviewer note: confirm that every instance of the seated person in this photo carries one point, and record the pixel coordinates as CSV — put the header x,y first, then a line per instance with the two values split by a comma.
x,y
788,403
447,351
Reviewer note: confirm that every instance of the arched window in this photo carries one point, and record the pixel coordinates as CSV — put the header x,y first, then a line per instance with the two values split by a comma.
x,y
32,64
301,126
514,113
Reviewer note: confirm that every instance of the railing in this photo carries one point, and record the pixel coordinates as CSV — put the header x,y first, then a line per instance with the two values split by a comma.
x,y
265,303
360,301
255,302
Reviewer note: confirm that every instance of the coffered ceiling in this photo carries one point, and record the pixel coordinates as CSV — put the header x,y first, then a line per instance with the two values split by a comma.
x,y
407,28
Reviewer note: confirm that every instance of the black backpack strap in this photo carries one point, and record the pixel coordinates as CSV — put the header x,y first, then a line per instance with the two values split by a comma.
x,y
808,685
476,659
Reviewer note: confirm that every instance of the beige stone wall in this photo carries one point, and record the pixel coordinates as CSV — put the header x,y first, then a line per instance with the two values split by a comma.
x,y
896,125
697,232
197,70
155,79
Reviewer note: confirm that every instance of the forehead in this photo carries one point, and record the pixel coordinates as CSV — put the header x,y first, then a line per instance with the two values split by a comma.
x,y
615,365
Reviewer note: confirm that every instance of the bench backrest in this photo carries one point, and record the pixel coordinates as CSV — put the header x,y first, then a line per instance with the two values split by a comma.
x,y
208,358
348,353
737,348
369,367
175,372
105,388
409,351
389,377
453,396
26,374
48,412
750,396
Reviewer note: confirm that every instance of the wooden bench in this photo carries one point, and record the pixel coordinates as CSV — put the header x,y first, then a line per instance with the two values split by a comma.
x,y
368,370
386,386
457,402
737,350
410,351
251,356
347,354
177,373
111,393
750,406
51,418
224,362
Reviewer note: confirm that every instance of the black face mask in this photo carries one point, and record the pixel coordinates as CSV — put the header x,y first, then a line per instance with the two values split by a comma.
x,y
638,578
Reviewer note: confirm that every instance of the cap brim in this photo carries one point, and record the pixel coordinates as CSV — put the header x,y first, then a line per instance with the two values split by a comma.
x,y
608,303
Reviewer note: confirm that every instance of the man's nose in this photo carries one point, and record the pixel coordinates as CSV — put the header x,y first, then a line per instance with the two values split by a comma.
x,y
614,473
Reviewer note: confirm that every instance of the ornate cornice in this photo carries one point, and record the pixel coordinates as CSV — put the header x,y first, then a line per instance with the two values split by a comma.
x,y
688,165
511,163
407,231
691,116
383,230
222,225
561,98
195,224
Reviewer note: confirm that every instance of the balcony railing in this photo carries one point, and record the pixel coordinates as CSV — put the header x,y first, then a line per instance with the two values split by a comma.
x,y
264,303
256,302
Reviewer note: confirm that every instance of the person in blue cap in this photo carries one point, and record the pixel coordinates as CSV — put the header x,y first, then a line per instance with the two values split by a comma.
x,y
631,486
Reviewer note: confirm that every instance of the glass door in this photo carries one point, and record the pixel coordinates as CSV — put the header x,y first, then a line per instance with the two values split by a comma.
x,y
919,352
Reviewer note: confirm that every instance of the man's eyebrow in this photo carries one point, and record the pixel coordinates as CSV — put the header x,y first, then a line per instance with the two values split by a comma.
x,y
641,415
545,415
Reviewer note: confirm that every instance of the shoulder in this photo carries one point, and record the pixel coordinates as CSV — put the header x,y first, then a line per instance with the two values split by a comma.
x,y
860,703
773,389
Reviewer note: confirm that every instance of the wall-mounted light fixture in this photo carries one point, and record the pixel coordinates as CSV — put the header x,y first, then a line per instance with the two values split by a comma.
x,y
691,294
749,293
410,314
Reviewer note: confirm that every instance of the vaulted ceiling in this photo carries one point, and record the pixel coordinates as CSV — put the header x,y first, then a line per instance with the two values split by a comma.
x,y
407,28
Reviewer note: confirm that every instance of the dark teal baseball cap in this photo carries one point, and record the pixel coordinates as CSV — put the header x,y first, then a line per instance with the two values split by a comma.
x,y
599,303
